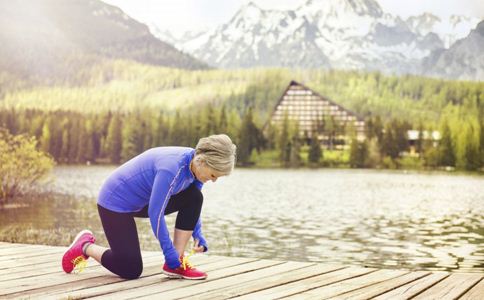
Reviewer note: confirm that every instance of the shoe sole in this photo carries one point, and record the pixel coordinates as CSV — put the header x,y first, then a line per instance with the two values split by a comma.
x,y
75,240
178,276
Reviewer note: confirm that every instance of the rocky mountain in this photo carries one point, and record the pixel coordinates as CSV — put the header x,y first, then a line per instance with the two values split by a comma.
x,y
463,60
50,38
341,34
449,30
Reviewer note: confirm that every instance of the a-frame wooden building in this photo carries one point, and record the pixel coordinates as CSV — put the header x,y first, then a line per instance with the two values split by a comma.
x,y
334,124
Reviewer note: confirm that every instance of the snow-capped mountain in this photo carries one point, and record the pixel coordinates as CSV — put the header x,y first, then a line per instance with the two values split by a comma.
x,y
342,34
463,60
173,39
449,30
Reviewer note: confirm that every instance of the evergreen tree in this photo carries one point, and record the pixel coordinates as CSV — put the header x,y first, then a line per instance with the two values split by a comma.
x,y
369,130
330,126
45,139
162,131
85,151
223,122
56,137
210,126
295,157
446,147
83,143
378,129
65,143
420,141
358,153
271,136
315,151
249,138
284,143
401,138
132,138
471,154
74,133
89,155
389,143
373,158
114,141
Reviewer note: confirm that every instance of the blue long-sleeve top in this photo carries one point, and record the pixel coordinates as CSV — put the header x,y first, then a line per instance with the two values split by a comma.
x,y
152,178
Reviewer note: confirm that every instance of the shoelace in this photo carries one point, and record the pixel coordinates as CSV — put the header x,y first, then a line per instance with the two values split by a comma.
x,y
79,264
185,262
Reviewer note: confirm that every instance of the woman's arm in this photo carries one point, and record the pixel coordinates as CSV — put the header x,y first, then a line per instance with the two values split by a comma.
x,y
197,231
163,186
197,235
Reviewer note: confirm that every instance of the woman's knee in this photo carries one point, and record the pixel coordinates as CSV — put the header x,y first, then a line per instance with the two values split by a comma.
x,y
131,270
198,199
195,196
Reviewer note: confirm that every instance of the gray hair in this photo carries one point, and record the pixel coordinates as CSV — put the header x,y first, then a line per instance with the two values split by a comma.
x,y
218,152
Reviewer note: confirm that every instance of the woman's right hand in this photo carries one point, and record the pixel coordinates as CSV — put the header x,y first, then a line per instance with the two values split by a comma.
x,y
196,247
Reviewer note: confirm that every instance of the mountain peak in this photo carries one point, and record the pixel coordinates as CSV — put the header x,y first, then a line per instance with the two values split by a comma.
x,y
249,12
250,7
358,7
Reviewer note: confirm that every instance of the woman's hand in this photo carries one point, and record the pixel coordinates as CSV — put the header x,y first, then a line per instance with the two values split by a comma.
x,y
196,247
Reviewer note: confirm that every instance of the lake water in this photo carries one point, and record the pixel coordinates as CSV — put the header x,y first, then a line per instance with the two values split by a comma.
x,y
388,219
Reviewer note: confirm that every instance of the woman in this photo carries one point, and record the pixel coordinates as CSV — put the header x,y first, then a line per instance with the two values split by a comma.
x,y
155,183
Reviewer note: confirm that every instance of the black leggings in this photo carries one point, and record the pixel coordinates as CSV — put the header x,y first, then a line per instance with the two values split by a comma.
x,y
124,257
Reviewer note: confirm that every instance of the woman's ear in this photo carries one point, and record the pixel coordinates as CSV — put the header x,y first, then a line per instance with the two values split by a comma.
x,y
200,161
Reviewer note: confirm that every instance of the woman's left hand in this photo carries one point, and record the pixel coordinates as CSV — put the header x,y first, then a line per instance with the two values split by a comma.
x,y
196,247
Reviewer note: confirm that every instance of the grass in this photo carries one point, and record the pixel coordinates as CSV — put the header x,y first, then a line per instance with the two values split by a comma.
x,y
270,159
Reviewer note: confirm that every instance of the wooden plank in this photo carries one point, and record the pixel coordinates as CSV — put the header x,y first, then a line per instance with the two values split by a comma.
x,y
18,250
232,281
34,271
32,261
282,278
307,284
55,267
349,285
475,293
451,287
170,285
25,284
40,252
38,263
150,268
382,287
408,291
149,277
5,245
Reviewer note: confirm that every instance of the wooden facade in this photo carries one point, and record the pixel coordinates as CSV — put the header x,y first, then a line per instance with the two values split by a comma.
x,y
316,114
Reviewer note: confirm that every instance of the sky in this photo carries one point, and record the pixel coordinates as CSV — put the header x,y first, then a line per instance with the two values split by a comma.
x,y
178,16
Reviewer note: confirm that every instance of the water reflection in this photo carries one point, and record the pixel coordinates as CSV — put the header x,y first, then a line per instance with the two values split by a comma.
x,y
371,218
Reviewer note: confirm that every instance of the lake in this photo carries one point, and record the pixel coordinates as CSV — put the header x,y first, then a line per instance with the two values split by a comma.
x,y
386,219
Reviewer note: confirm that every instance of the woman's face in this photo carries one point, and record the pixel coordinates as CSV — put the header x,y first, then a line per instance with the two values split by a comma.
x,y
204,173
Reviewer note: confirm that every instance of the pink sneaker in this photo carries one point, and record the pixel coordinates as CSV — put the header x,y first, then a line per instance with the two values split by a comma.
x,y
73,255
186,270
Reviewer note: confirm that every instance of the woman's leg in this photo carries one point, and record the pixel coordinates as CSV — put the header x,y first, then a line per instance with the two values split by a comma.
x,y
124,256
94,251
188,203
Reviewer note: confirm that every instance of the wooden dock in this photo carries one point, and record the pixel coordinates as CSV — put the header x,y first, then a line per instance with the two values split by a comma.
x,y
34,272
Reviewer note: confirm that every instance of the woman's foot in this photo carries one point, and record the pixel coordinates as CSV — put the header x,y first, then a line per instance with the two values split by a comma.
x,y
186,271
74,255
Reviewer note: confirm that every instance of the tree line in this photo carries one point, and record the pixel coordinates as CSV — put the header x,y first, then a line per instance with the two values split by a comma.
x,y
114,137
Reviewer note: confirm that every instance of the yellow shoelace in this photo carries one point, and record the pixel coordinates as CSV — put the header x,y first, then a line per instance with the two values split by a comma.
x,y
79,264
185,263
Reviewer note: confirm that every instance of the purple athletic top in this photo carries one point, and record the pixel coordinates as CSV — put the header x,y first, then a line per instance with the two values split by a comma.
x,y
152,178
